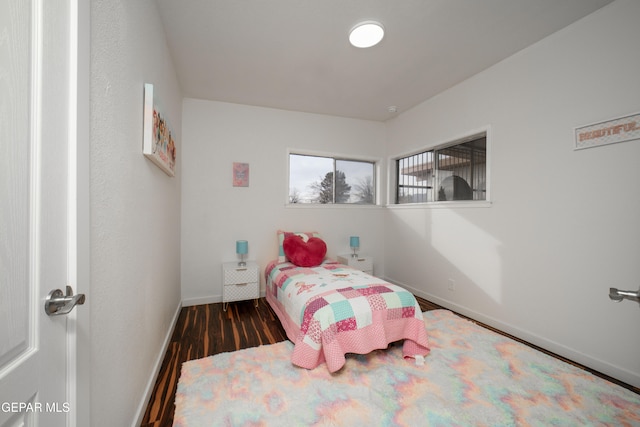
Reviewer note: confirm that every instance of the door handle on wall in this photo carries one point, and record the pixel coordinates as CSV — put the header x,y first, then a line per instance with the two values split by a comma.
x,y
617,295
58,303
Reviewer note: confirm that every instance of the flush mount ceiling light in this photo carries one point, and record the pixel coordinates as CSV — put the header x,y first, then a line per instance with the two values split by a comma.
x,y
366,34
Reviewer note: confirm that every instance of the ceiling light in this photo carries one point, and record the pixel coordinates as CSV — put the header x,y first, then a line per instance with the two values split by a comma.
x,y
366,34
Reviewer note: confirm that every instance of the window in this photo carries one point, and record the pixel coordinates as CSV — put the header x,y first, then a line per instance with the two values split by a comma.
x,y
324,180
452,172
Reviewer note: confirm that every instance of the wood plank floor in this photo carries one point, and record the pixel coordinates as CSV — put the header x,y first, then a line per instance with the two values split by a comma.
x,y
205,330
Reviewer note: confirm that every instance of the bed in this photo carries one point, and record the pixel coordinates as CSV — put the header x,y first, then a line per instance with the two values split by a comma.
x,y
329,309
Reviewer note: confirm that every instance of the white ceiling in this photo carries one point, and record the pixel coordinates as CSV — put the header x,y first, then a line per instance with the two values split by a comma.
x,y
295,54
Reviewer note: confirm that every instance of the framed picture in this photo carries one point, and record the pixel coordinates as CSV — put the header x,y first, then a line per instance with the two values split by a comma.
x,y
608,132
240,174
158,143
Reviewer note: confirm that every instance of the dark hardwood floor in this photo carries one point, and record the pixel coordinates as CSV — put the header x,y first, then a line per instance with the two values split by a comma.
x,y
205,330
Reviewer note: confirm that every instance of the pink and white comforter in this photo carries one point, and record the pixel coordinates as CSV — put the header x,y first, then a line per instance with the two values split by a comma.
x,y
330,310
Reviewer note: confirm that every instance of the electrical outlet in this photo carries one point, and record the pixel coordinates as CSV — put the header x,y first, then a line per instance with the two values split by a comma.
x,y
451,285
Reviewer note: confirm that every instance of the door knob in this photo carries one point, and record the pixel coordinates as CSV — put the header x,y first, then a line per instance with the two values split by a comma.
x,y
58,303
618,295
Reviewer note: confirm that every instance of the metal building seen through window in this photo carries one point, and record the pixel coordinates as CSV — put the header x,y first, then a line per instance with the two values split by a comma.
x,y
455,172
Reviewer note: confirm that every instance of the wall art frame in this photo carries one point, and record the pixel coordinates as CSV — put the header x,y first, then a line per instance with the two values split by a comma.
x,y
240,174
620,129
158,140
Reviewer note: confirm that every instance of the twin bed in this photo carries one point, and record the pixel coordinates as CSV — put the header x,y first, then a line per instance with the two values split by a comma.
x,y
329,309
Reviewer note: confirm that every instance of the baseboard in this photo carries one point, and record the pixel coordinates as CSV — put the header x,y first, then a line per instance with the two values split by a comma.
x,y
209,299
142,407
201,300
598,365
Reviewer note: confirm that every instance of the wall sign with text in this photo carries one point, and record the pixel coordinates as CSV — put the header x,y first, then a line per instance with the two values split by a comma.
x,y
609,132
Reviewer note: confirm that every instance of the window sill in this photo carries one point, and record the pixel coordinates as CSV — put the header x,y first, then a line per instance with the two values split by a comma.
x,y
430,205
330,206
443,205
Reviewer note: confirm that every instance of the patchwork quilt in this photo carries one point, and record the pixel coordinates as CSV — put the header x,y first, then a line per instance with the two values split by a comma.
x,y
332,309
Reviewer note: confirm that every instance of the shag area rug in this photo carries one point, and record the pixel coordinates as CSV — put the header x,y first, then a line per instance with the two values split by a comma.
x,y
472,377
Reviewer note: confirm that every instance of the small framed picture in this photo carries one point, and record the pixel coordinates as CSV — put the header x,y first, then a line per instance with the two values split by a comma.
x,y
240,174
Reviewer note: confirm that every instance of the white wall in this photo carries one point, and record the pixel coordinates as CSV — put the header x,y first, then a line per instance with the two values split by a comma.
x,y
135,210
215,214
563,225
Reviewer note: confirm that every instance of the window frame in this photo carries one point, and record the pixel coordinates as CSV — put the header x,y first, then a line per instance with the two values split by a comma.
x,y
375,162
393,190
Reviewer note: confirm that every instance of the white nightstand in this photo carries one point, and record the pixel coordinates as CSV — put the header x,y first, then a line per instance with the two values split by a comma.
x,y
361,262
240,282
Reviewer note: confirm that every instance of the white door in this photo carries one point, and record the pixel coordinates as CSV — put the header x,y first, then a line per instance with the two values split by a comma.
x,y
36,85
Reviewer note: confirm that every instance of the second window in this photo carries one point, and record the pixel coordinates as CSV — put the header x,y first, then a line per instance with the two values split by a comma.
x,y
452,172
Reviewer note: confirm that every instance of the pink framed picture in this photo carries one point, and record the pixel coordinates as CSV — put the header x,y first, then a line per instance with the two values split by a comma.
x,y
240,174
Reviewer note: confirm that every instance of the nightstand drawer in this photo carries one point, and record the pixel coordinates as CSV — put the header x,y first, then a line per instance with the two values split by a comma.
x,y
240,275
241,291
362,263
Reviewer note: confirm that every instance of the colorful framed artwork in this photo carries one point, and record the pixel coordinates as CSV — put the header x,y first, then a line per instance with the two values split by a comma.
x,y
240,174
158,141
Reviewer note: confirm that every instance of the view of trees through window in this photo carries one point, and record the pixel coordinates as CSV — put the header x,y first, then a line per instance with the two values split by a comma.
x,y
324,180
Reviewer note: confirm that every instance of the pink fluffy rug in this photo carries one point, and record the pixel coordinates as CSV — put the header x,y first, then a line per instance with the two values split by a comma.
x,y
472,377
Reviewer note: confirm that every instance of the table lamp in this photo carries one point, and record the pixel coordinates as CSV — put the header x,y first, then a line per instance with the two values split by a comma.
x,y
354,242
242,248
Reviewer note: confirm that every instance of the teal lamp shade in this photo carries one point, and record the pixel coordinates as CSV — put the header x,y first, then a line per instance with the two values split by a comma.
x,y
242,248
354,242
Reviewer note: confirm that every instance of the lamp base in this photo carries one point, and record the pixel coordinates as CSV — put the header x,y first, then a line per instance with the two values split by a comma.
x,y
354,254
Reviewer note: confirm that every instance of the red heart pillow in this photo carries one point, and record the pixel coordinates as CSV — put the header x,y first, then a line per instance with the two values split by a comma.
x,y
304,254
